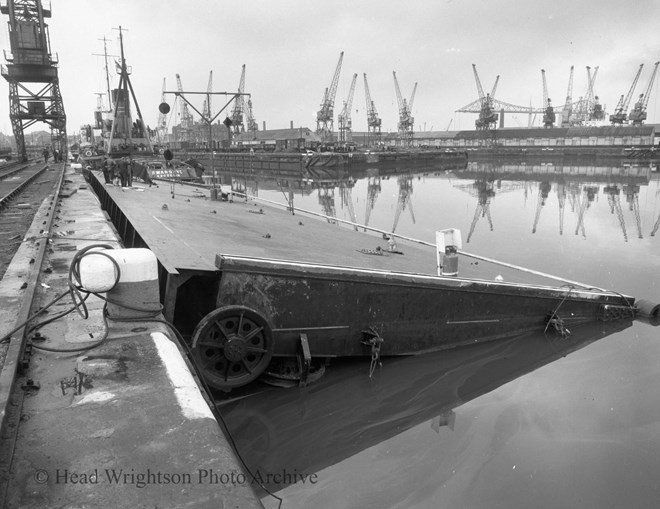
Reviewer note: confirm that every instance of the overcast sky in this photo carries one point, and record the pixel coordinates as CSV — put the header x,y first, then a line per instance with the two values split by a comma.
x,y
291,48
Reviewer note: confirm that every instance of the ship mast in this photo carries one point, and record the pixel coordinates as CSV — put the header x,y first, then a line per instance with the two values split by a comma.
x,y
126,136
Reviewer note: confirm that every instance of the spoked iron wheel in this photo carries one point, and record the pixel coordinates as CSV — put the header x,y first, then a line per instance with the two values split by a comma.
x,y
232,346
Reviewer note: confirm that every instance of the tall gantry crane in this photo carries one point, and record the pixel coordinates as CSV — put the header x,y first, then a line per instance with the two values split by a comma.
x,y
638,113
487,115
620,116
594,108
373,120
486,105
186,117
31,64
344,118
325,116
207,107
406,120
548,111
567,112
251,122
238,112
161,130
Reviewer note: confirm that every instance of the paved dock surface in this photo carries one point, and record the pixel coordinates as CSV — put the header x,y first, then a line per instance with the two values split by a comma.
x,y
121,425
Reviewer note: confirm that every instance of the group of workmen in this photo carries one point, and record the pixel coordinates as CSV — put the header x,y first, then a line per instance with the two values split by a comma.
x,y
118,171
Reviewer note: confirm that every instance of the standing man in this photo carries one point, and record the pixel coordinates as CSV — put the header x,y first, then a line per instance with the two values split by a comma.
x,y
46,154
123,171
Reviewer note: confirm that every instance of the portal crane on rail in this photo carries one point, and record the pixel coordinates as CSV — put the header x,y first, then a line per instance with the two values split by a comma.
x,y
548,112
620,116
186,120
207,108
487,115
344,118
567,112
404,201
638,113
238,112
31,64
406,120
595,109
161,129
373,120
325,116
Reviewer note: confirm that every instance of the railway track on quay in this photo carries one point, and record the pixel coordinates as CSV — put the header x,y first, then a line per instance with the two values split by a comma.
x,y
29,194
23,188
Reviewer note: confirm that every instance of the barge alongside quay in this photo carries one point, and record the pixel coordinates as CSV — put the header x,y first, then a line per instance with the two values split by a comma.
x,y
249,285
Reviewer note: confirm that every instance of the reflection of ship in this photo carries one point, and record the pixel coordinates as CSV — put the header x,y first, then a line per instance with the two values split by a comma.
x,y
347,412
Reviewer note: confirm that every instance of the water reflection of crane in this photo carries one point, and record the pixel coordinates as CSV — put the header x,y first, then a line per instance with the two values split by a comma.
x,y
589,195
327,201
484,190
373,190
346,188
405,193
613,193
632,197
561,197
544,192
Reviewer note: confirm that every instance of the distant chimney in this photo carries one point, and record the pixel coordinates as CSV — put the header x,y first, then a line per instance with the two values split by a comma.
x,y
292,124
264,125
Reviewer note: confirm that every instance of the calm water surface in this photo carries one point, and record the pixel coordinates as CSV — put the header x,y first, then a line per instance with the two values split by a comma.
x,y
536,422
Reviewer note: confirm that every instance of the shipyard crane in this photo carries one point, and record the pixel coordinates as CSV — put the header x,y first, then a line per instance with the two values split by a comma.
x,y
373,190
344,119
31,66
161,129
404,201
239,107
406,121
373,120
594,108
548,112
590,192
493,105
638,113
325,116
620,116
487,116
186,120
567,112
613,199
206,109
251,122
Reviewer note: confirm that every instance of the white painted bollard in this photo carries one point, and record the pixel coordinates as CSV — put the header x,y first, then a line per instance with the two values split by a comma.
x,y
136,293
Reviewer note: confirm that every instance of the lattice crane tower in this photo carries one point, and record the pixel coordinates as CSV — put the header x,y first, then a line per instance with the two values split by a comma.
x,y
325,116
31,64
